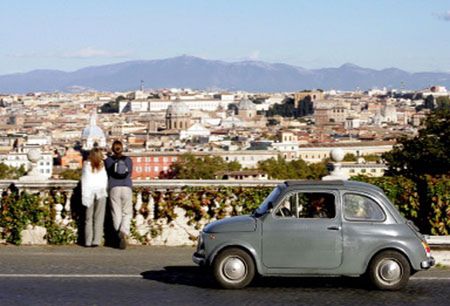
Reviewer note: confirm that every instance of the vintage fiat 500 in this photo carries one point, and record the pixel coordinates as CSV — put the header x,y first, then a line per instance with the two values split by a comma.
x,y
326,228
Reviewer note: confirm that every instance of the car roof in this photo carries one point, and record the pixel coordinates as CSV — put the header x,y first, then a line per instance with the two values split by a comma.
x,y
332,184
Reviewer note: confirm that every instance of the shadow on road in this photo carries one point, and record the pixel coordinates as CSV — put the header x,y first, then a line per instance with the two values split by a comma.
x,y
182,275
201,277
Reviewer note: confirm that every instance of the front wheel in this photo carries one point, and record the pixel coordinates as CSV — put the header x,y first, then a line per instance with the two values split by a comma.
x,y
389,270
233,268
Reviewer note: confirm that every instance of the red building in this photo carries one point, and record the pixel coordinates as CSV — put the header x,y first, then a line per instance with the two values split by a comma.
x,y
150,165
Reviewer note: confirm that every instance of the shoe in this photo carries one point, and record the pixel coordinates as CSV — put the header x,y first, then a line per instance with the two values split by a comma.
x,y
123,241
94,245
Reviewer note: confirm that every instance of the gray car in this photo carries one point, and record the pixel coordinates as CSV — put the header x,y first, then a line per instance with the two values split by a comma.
x,y
326,228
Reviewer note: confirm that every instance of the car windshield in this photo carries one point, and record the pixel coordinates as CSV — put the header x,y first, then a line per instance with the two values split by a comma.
x,y
268,202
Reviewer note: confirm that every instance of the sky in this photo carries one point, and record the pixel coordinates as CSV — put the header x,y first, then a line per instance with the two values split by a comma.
x,y
413,35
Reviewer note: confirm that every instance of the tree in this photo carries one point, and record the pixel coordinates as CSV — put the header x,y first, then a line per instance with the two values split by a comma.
x,y
286,109
427,153
349,157
8,172
71,174
297,169
443,103
192,167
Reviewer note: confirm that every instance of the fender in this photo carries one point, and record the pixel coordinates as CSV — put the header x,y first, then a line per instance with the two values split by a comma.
x,y
395,246
237,244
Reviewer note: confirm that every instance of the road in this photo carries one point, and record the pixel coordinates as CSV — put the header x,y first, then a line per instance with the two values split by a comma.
x,y
74,275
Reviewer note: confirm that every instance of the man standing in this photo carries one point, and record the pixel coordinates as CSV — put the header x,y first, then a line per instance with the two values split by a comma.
x,y
119,168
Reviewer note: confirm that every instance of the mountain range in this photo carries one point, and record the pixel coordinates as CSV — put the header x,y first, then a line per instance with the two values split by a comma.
x,y
197,73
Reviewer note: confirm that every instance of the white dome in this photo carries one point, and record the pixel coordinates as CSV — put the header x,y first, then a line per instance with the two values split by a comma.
x,y
178,109
93,132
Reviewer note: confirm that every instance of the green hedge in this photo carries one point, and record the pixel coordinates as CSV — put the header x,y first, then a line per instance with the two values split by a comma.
x,y
19,210
426,202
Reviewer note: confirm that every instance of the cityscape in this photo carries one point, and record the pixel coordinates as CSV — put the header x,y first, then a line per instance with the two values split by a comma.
x,y
159,126
293,152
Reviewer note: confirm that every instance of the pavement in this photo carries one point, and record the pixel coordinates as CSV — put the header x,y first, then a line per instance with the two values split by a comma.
x,y
148,275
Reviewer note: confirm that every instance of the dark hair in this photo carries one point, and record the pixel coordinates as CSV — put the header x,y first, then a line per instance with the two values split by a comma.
x,y
117,147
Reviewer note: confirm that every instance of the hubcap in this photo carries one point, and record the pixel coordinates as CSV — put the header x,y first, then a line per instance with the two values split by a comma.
x,y
234,268
390,270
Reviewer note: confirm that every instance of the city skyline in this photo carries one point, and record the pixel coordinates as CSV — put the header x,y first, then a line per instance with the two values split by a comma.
x,y
50,35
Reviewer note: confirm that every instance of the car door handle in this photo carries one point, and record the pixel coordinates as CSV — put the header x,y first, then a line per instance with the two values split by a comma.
x,y
334,228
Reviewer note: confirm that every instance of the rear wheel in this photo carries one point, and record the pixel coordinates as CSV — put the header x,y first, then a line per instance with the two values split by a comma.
x,y
389,270
233,268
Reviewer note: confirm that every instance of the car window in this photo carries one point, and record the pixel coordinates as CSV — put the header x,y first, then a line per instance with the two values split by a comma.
x,y
307,205
360,207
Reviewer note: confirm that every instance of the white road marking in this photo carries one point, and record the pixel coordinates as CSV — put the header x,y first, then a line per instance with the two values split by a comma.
x,y
426,278
431,278
73,275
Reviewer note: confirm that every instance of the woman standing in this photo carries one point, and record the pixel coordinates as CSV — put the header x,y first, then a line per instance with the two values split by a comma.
x,y
94,182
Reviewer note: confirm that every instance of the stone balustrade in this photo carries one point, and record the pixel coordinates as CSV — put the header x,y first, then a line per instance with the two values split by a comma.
x,y
149,225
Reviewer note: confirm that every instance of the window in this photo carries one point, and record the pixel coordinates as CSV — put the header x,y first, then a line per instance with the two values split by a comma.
x,y
360,208
147,159
138,169
174,159
165,159
373,170
156,169
307,205
138,159
156,159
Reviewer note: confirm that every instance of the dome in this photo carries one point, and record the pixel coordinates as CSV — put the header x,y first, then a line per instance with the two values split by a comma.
x,y
246,104
178,109
92,131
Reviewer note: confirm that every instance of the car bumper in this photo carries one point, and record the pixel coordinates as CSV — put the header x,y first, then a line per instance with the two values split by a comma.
x,y
426,264
198,259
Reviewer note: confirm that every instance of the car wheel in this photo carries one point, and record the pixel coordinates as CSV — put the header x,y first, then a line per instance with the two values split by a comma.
x,y
233,268
389,270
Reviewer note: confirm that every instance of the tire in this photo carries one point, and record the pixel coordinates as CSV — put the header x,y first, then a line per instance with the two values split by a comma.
x,y
389,270
233,268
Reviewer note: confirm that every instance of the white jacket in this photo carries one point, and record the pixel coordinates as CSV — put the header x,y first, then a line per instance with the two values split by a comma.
x,y
93,184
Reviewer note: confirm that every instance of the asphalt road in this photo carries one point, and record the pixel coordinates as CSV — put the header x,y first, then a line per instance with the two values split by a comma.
x,y
75,275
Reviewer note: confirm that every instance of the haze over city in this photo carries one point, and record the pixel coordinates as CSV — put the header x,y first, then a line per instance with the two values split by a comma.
x,y
63,35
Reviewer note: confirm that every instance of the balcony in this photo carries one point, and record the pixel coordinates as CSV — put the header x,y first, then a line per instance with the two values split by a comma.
x,y
166,212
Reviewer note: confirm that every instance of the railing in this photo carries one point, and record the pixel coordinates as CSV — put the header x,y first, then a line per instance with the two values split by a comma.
x,y
155,220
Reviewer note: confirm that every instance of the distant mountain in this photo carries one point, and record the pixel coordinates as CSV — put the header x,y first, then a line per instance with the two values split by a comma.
x,y
197,73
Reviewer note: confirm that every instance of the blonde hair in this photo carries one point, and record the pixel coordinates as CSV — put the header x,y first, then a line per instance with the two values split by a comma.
x,y
96,159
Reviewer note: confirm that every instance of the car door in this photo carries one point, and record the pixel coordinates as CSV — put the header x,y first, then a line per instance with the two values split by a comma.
x,y
297,234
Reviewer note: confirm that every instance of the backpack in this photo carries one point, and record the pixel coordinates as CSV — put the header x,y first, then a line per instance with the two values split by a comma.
x,y
119,168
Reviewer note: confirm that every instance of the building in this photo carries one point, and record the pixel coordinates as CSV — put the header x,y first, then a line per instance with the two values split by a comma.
x,y
178,116
246,109
18,159
93,135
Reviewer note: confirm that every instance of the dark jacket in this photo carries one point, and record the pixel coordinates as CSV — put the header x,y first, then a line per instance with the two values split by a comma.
x,y
114,182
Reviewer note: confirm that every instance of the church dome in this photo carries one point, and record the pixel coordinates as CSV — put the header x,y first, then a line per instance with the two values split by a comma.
x,y
92,134
246,104
178,109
